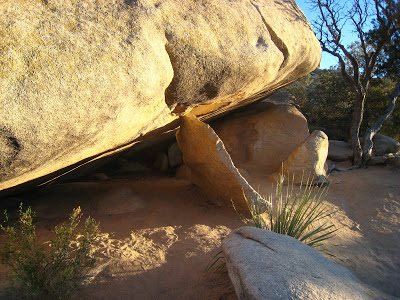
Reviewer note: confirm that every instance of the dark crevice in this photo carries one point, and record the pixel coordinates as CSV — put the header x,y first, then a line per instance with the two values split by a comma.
x,y
12,148
261,43
275,38
130,2
170,91
210,90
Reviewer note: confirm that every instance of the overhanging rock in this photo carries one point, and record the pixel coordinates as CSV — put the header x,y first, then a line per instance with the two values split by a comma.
x,y
83,79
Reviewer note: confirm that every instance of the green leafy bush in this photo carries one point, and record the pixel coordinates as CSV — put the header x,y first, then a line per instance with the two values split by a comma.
x,y
51,270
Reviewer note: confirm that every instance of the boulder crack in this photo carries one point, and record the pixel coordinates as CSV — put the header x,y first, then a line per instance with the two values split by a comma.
x,y
265,245
170,92
279,43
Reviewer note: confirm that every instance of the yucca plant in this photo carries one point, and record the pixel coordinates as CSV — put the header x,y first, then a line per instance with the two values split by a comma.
x,y
302,215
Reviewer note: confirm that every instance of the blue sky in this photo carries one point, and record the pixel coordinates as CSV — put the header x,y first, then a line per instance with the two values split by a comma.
x,y
348,36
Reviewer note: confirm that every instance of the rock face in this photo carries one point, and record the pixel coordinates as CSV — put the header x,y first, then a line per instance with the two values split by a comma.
x,y
339,151
383,144
266,265
81,79
211,166
263,135
308,159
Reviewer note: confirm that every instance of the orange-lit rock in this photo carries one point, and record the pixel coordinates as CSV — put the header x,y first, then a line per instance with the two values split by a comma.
x,y
211,166
82,79
261,136
308,159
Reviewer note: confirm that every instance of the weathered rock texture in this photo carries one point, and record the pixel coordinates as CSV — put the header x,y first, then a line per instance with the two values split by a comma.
x,y
80,79
263,135
211,166
308,159
266,265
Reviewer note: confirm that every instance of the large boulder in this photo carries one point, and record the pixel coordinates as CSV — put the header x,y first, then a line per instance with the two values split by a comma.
x,y
383,144
82,79
266,265
308,160
211,166
262,135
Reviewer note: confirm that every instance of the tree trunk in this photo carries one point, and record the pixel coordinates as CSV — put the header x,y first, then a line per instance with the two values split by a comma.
x,y
367,151
358,114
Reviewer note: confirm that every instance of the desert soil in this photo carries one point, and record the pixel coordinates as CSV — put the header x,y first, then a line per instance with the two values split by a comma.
x,y
160,233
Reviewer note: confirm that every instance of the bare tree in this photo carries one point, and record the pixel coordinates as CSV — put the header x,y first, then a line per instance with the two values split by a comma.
x,y
367,151
333,16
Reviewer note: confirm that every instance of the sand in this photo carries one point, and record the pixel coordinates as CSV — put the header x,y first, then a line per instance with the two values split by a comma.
x,y
160,233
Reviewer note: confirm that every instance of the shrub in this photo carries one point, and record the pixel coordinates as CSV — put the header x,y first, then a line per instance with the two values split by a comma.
x,y
51,270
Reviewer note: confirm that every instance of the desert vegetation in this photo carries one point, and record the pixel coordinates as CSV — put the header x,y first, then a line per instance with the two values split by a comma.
x,y
303,214
326,101
368,68
50,270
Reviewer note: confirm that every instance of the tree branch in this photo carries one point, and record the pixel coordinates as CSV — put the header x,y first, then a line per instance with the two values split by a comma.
x,y
362,15
367,151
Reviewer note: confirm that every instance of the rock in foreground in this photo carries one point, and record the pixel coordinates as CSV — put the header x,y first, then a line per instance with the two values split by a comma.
x,y
266,265
81,79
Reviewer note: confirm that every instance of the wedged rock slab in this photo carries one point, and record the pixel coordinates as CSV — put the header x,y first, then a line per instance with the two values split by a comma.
x,y
81,79
211,166
266,265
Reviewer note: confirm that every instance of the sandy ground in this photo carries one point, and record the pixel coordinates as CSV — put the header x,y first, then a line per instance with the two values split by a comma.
x,y
161,233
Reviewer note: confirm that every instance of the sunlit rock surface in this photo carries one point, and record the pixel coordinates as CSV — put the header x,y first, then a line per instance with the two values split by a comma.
x,y
266,265
307,161
81,79
211,165
262,135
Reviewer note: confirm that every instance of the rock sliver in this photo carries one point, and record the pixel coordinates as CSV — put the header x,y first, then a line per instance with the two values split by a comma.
x,y
83,79
266,265
211,165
